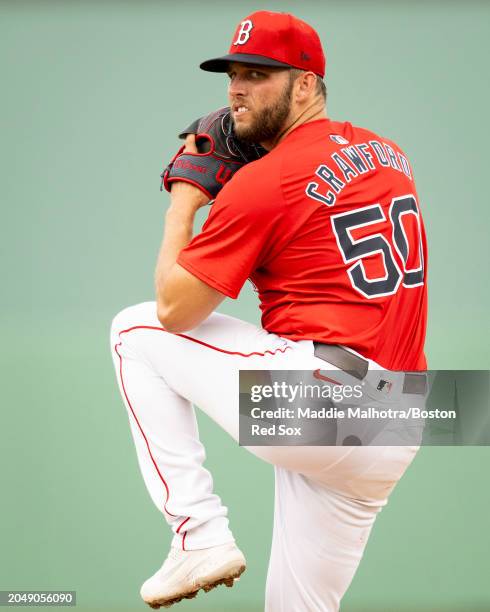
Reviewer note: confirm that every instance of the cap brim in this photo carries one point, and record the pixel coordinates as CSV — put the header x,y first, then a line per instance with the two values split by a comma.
x,y
220,64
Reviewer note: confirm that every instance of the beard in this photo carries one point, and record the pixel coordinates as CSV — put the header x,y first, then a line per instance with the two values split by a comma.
x,y
268,122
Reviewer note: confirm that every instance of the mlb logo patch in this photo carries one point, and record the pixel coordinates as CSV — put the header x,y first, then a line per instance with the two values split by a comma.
x,y
338,139
384,386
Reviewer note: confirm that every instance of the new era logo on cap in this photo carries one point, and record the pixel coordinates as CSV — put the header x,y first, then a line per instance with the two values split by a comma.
x,y
273,39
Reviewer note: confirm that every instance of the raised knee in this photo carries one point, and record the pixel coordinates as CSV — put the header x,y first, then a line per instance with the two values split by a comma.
x,y
132,316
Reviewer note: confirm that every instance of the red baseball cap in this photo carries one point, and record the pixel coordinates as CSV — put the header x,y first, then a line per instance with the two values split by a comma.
x,y
273,39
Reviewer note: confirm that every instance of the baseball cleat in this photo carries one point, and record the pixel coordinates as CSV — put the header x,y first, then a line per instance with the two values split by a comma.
x,y
185,572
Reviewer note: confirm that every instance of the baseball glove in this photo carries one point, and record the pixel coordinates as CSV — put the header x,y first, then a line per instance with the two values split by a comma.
x,y
220,155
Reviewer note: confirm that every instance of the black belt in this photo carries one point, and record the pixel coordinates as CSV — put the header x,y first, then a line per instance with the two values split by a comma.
x,y
358,367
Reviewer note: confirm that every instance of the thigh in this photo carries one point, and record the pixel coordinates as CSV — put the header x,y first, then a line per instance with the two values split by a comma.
x,y
366,473
201,365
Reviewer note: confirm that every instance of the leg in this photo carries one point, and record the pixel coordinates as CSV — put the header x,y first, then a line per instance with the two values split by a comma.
x,y
170,456
320,533
160,376
315,553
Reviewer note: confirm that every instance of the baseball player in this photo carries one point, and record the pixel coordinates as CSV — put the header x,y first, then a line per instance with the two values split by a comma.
x,y
324,219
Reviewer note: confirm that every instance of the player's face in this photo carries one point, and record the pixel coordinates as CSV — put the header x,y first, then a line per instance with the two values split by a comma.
x,y
260,100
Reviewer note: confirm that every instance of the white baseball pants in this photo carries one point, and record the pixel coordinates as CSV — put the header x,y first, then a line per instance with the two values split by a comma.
x,y
326,498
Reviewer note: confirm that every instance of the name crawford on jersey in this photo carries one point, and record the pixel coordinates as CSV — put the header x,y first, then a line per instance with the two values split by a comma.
x,y
354,161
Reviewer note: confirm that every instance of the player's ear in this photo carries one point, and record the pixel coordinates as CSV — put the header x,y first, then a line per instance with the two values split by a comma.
x,y
305,85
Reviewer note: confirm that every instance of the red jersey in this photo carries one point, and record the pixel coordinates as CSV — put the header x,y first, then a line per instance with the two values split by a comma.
x,y
327,226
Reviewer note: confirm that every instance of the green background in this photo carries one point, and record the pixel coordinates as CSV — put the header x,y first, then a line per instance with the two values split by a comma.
x,y
92,95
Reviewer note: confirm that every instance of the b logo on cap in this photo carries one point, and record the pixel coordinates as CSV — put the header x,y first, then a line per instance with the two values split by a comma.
x,y
244,32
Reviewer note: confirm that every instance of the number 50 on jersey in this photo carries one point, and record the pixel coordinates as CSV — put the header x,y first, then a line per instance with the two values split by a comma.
x,y
402,255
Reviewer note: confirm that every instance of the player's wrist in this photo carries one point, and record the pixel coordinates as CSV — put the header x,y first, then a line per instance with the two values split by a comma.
x,y
186,195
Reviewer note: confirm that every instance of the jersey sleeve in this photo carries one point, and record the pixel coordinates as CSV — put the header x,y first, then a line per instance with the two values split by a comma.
x,y
238,236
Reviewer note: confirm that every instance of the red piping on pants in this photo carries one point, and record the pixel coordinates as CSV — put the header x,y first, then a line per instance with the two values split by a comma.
x,y
215,348
147,444
267,352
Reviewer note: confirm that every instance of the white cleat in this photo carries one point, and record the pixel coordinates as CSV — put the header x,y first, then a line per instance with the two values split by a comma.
x,y
184,572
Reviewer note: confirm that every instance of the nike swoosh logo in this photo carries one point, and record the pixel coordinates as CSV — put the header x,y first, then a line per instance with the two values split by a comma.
x,y
319,376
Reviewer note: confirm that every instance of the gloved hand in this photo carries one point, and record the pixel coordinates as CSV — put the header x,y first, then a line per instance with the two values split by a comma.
x,y
220,155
